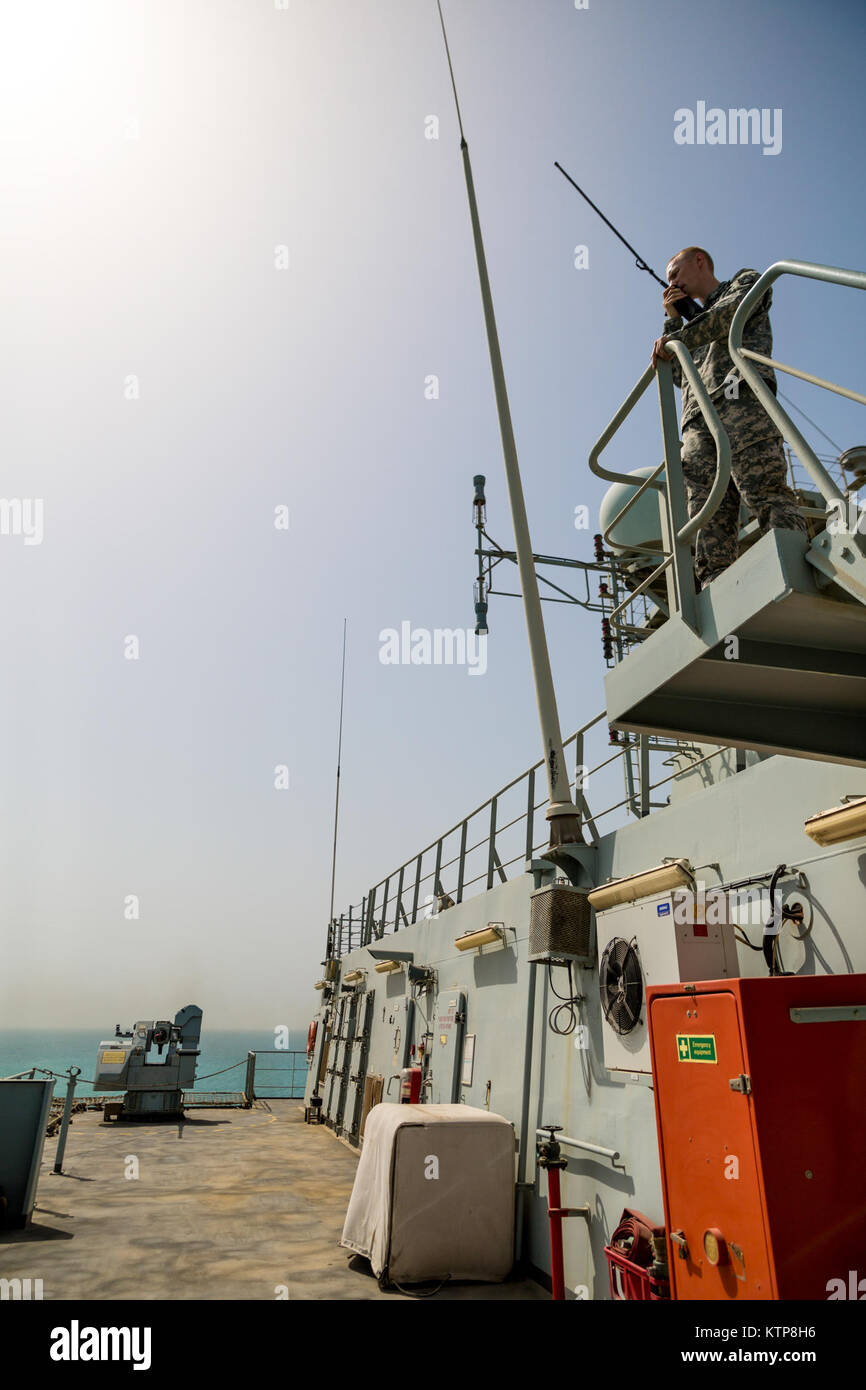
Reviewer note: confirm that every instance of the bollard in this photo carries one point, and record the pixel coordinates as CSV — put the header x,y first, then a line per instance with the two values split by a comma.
x,y
250,1083
73,1073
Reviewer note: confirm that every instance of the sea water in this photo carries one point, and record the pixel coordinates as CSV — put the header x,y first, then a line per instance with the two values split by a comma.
x,y
52,1049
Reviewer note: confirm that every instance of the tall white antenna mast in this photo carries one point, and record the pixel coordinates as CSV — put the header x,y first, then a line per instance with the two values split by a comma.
x,y
561,812
337,801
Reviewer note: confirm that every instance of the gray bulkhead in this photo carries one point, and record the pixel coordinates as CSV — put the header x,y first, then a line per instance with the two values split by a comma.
x,y
746,824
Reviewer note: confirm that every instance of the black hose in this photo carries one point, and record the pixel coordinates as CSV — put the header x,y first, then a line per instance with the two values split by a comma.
x,y
771,930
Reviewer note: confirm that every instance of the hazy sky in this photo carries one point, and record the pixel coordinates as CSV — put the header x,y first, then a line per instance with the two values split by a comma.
x,y
231,260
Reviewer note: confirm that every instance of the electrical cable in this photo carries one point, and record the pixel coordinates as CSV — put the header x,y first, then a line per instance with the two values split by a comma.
x,y
789,915
794,406
741,936
407,1293
771,930
568,1006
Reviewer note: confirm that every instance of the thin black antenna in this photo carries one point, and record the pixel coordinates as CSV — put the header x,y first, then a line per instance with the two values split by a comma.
x,y
451,70
686,307
337,802
638,259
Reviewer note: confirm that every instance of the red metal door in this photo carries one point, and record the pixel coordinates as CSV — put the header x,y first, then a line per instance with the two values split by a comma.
x,y
708,1151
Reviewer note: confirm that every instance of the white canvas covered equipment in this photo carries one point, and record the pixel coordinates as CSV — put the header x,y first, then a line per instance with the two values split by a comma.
x,y
434,1194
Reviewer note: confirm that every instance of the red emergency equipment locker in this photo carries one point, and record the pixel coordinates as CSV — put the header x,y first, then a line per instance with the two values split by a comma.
x,y
759,1094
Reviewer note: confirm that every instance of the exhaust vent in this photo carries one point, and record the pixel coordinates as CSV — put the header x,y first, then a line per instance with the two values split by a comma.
x,y
560,924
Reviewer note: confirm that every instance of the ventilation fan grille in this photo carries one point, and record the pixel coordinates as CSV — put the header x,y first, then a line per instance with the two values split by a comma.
x,y
621,985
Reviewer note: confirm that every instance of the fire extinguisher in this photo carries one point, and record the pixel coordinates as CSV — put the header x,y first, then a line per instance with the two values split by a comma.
x,y
410,1085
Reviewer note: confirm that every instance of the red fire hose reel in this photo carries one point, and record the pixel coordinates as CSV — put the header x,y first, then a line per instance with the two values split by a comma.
x,y
637,1260
636,1255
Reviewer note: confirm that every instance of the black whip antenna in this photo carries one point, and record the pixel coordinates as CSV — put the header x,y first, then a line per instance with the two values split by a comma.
x,y
638,259
686,306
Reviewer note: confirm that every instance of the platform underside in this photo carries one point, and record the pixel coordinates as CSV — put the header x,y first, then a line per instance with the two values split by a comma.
x,y
793,681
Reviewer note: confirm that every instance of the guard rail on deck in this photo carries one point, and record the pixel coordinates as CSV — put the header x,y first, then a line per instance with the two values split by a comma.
x,y
677,562
293,1073
744,357
396,901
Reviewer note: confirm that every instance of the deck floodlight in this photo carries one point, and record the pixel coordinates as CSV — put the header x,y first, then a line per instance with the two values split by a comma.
x,y
388,967
839,823
494,931
674,873
354,977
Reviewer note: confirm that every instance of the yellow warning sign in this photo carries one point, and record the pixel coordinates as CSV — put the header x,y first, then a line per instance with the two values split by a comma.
x,y
115,1058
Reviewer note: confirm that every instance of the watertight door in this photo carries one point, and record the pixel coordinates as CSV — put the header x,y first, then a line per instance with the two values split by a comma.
x,y
357,1052
447,1046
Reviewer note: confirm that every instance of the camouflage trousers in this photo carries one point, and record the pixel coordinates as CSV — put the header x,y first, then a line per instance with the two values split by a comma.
x,y
758,477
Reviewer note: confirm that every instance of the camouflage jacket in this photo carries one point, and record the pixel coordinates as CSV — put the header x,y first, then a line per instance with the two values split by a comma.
x,y
706,338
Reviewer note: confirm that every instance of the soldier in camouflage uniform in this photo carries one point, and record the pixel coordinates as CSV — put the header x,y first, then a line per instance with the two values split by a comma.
x,y
758,466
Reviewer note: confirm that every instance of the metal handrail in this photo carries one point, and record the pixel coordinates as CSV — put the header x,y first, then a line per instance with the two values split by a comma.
x,y
805,376
362,930
501,792
298,1069
722,443
604,439
641,588
834,275
677,527
714,425
412,887
639,492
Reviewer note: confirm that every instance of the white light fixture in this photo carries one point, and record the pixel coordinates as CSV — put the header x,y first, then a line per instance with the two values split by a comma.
x,y
662,879
494,931
320,984
388,967
354,977
839,823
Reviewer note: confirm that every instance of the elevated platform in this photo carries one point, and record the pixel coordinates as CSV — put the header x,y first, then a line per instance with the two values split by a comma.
x,y
793,682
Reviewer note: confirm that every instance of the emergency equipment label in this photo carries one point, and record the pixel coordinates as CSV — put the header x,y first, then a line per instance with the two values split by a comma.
x,y
696,1047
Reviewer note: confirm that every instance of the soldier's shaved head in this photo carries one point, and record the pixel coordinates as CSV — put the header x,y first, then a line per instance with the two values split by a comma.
x,y
690,251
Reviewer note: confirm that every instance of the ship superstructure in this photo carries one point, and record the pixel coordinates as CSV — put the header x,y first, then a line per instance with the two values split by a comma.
x,y
716,930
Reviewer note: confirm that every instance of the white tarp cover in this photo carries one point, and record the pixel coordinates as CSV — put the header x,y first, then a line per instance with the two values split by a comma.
x,y
418,1227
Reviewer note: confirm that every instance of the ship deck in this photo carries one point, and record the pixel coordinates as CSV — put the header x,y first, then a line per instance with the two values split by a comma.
x,y
228,1204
